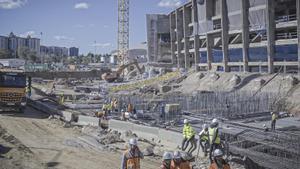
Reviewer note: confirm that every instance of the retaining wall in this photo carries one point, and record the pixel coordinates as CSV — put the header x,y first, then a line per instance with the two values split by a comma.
x,y
171,138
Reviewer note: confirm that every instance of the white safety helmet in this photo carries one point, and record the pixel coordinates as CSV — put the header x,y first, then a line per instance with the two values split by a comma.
x,y
215,121
167,156
177,155
122,110
218,153
204,126
133,141
271,112
185,121
264,125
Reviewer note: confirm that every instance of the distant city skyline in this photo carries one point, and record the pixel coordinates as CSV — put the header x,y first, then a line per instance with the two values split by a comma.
x,y
78,23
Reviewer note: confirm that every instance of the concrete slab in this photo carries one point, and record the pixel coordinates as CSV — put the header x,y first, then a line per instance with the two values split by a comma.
x,y
87,120
67,115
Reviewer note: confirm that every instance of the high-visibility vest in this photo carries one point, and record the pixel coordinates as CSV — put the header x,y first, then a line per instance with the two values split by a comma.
x,y
204,136
214,166
188,131
212,132
182,165
132,162
274,117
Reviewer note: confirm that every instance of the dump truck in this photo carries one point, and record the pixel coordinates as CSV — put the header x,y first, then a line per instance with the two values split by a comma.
x,y
12,90
116,75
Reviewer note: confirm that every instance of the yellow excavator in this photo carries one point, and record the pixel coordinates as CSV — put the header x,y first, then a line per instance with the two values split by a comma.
x,y
116,75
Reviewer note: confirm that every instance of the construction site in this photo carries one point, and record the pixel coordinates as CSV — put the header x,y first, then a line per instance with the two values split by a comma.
x,y
236,61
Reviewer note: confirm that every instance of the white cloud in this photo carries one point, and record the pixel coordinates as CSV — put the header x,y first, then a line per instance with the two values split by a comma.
x,y
30,33
82,5
12,4
169,3
79,26
63,38
102,45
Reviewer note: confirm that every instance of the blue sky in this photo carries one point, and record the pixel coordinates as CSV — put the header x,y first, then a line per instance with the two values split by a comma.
x,y
78,22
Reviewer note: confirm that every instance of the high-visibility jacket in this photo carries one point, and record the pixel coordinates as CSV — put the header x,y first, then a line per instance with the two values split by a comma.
x,y
131,160
204,135
213,133
130,108
182,165
188,131
274,117
165,166
214,166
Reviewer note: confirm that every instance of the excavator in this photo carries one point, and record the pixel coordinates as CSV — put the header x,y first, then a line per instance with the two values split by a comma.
x,y
115,75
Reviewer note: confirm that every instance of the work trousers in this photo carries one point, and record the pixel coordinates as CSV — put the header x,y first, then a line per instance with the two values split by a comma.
x,y
185,144
273,124
203,144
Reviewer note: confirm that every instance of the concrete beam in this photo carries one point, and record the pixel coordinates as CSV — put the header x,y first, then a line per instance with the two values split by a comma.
x,y
172,38
179,24
271,26
186,38
225,34
209,45
298,30
196,36
245,33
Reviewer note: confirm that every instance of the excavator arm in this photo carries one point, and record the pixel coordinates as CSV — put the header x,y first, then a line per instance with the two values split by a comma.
x,y
111,77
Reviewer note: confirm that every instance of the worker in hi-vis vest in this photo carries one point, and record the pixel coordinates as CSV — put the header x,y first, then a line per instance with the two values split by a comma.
x,y
131,157
214,137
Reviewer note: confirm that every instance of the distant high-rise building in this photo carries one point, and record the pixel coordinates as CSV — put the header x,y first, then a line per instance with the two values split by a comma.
x,y
54,50
15,43
73,51
3,42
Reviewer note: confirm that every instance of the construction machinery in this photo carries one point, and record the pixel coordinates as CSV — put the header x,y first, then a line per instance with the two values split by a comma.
x,y
116,75
12,90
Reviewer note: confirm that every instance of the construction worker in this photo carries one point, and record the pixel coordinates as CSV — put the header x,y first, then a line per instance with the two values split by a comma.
x,y
214,137
123,115
188,137
114,105
28,91
61,99
179,163
273,122
266,129
167,159
130,108
218,161
203,139
131,157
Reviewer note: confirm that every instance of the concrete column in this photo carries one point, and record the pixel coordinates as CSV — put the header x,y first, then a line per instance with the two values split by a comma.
x,y
225,36
298,30
179,35
196,36
245,33
209,46
172,38
186,38
271,27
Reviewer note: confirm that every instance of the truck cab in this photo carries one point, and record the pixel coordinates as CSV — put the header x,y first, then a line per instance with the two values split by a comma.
x,y
12,90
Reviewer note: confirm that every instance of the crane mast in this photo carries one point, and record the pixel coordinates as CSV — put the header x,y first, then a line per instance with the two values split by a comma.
x,y
123,30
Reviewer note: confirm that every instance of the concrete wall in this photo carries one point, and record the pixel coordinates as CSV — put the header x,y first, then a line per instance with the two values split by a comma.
x,y
149,133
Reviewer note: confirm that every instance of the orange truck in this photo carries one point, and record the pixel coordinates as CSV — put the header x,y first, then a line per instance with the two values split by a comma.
x,y
12,90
